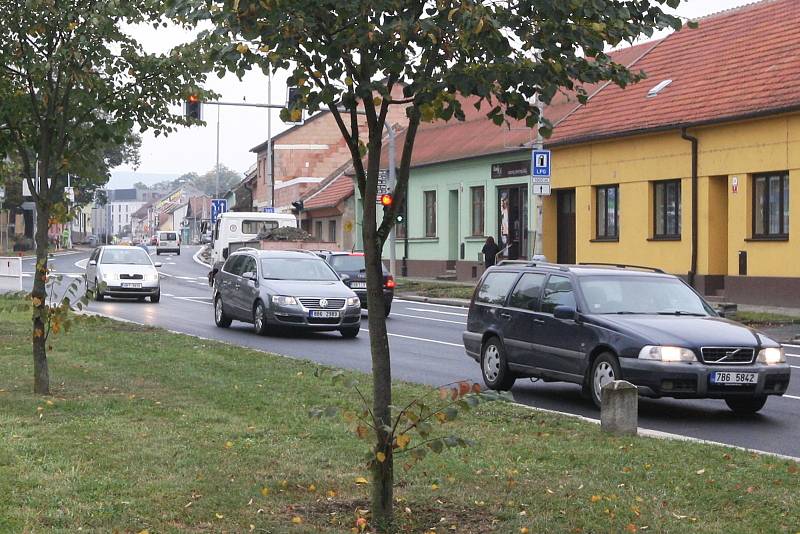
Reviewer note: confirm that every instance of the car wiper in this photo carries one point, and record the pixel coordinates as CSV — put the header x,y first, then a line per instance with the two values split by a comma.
x,y
681,312
627,313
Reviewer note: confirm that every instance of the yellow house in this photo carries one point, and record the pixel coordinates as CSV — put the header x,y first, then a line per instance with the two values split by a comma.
x,y
695,170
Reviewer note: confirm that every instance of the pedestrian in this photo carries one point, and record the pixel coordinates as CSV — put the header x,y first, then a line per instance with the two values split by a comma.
x,y
490,251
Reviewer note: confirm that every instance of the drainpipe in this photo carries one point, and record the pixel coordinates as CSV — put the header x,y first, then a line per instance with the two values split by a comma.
x,y
693,268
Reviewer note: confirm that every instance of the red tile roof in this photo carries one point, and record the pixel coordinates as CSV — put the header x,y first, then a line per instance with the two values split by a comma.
x,y
331,194
738,63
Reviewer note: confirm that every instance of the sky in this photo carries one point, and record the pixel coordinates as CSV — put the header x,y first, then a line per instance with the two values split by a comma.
x,y
194,149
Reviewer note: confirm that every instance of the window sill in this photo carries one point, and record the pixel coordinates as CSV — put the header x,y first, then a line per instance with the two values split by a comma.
x,y
475,238
665,238
605,240
423,239
768,238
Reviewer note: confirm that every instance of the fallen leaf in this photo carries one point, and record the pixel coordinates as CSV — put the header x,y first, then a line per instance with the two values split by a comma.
x,y
727,456
434,487
228,444
361,480
145,531
596,498
312,488
331,493
297,520
264,491
524,530
630,527
700,471
219,516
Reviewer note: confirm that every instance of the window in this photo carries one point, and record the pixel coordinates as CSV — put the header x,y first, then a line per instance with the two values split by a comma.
x,y
318,230
332,231
771,205
557,292
478,195
667,209
430,213
528,291
249,265
234,264
495,288
258,227
607,212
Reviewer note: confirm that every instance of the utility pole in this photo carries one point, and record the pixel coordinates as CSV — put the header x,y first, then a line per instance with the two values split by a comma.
x,y
216,184
270,174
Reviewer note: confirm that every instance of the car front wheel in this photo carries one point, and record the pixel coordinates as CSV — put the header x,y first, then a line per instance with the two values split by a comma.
x,y
605,369
494,366
155,298
98,296
260,319
221,320
746,405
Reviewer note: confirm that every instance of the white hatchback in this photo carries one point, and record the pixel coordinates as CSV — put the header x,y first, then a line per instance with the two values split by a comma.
x,y
168,242
124,272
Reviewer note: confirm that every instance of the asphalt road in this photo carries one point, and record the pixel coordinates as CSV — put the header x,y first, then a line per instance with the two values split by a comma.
x,y
425,340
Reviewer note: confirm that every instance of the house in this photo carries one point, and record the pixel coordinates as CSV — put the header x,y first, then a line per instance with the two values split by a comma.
x,y
329,211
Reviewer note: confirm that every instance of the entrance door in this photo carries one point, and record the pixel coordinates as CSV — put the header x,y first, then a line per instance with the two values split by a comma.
x,y
452,228
565,224
513,221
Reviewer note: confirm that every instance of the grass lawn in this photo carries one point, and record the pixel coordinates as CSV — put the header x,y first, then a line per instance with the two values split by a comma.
x,y
442,289
764,318
149,430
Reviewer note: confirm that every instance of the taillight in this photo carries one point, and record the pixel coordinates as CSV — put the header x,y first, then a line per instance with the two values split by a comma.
x,y
389,283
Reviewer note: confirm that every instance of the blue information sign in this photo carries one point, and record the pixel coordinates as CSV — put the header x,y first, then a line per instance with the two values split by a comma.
x,y
540,165
218,207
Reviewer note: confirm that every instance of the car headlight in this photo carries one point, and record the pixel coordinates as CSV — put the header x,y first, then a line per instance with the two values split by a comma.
x,y
771,355
282,300
152,277
353,301
667,354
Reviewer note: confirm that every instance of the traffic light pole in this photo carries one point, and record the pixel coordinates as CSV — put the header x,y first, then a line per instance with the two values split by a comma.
x,y
392,184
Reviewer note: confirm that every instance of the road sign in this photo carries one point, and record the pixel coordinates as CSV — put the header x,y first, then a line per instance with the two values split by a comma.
x,y
383,185
540,166
218,207
541,189
268,210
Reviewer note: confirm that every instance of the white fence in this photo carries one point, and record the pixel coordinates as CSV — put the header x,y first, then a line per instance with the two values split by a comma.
x,y
10,274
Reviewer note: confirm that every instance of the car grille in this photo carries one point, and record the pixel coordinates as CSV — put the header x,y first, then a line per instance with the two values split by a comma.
x,y
727,355
314,304
131,277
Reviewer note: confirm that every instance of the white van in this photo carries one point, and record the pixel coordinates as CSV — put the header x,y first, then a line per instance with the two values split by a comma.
x,y
168,241
236,226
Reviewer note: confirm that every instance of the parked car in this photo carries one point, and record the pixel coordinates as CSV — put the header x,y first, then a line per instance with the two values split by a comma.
x,y
352,264
127,272
594,324
296,289
168,242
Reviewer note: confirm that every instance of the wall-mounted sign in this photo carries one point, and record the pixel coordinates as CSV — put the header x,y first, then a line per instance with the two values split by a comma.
x,y
735,184
511,169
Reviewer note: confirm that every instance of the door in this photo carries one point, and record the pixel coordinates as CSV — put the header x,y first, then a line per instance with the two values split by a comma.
x,y
513,221
452,229
524,342
91,270
229,277
565,226
564,342
244,290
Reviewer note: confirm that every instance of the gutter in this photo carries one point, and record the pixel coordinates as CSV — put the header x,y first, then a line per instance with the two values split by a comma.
x,y
693,268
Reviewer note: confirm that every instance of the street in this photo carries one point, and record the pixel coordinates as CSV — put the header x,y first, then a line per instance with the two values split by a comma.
x,y
426,348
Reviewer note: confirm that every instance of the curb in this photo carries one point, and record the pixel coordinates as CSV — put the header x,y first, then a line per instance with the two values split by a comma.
x,y
197,259
459,303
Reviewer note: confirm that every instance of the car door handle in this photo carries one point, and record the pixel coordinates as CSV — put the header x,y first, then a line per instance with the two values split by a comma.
x,y
505,315
538,321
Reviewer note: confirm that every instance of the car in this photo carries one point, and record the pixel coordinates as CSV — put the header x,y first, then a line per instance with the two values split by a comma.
x,y
284,288
168,242
593,324
352,265
123,272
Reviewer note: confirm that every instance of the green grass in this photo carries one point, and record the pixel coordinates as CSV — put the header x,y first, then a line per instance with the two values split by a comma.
x,y
765,318
451,290
151,430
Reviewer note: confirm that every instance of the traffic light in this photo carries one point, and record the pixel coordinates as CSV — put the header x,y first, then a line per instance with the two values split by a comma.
x,y
386,200
193,108
298,206
399,219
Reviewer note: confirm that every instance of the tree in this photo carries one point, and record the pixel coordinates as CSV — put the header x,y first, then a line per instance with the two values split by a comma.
x,y
350,57
207,183
73,84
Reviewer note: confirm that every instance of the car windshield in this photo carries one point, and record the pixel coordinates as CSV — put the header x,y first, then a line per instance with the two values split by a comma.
x,y
640,295
346,262
297,269
126,256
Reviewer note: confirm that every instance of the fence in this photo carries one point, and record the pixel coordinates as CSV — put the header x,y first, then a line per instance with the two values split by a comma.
x,y
10,274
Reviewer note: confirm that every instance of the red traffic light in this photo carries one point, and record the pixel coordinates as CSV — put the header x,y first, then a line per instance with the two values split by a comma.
x,y
194,98
386,199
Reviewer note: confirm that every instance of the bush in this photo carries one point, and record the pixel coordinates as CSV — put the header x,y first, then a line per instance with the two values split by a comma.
x,y
286,233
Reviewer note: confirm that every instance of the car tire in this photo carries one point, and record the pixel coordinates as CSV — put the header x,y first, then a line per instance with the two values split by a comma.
x,y
260,325
494,366
604,369
350,332
388,309
155,298
98,296
220,319
746,405
158,252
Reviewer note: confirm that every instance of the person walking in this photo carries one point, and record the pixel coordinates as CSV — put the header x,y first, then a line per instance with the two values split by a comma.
x,y
490,251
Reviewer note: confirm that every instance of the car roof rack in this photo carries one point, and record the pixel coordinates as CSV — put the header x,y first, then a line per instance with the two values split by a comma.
x,y
511,262
548,264
245,249
621,266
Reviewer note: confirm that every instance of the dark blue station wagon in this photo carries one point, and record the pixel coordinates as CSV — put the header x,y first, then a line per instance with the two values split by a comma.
x,y
592,324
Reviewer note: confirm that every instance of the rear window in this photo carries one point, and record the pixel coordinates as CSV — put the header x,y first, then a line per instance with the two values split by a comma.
x,y
168,236
344,262
495,287
258,227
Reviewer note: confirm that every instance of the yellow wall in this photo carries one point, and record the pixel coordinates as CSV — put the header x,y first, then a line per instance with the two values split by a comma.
x,y
724,218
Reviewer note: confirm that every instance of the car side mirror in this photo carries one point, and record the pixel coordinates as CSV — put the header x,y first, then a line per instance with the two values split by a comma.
x,y
92,263
157,264
566,313
344,277
249,275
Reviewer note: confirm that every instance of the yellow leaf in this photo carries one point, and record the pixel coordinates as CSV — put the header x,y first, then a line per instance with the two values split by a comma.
x,y
377,100
228,444
596,498
145,531
434,487
49,402
312,488
403,440
361,480
297,520
296,115
36,301
218,515
479,27
331,493
380,457
524,530
264,491
242,48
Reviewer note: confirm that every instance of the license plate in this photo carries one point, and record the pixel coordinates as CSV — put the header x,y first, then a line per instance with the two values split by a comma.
x,y
131,285
730,377
323,314
358,285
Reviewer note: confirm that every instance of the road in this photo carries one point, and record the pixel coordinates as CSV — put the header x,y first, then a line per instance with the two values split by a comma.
x,y
425,340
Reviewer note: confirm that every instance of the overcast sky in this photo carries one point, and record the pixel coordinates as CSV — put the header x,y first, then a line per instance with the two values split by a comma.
x,y
241,128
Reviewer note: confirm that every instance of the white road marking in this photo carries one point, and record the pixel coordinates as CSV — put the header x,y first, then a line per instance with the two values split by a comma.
x,y
790,345
795,366
81,264
429,304
422,339
428,318
194,299
439,312
792,397
792,355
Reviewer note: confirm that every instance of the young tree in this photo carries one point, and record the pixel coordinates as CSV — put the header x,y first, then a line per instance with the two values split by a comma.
x,y
350,57
73,84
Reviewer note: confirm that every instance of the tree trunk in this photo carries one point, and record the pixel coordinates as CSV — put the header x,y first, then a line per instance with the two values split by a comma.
x,y
41,376
382,472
